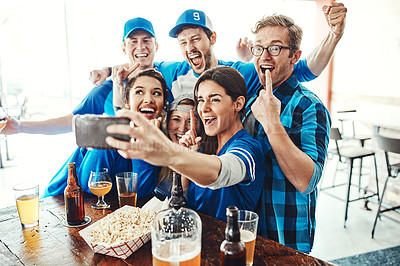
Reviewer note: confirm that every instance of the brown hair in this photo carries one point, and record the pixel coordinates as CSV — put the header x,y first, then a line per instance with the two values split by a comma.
x,y
233,83
151,72
295,32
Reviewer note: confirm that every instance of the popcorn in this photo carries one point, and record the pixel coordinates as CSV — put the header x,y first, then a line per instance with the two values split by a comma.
x,y
122,225
122,232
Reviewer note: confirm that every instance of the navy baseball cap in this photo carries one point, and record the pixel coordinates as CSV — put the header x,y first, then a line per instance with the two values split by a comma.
x,y
138,24
191,17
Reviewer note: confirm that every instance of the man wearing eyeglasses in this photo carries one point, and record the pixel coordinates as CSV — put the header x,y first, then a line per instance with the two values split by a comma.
x,y
196,39
292,125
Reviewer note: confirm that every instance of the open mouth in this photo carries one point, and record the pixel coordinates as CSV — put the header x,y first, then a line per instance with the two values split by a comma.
x,y
265,68
209,120
195,59
178,136
147,111
141,55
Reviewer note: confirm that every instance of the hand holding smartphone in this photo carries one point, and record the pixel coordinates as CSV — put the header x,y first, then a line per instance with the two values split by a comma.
x,y
90,130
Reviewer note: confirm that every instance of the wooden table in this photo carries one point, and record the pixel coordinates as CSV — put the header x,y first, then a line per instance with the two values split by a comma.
x,y
51,243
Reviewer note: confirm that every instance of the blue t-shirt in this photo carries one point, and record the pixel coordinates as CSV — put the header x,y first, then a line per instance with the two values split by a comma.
x,y
98,101
244,195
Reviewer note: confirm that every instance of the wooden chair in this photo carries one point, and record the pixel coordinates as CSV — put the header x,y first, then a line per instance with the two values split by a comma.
x,y
347,155
388,145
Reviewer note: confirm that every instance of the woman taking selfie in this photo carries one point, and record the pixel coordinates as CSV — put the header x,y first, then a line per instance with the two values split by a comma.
x,y
230,168
146,94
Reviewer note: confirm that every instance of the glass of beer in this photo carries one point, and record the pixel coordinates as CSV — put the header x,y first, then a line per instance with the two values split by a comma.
x,y
248,223
127,188
100,184
176,237
27,199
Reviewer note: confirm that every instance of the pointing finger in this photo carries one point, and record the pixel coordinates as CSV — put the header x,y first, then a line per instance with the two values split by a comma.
x,y
193,123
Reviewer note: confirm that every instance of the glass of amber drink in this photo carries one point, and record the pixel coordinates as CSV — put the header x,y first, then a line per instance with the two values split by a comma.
x,y
127,188
100,184
248,223
27,199
176,237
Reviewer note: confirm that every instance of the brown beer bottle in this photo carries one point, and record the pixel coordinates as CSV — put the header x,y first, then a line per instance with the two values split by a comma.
x,y
232,250
73,197
177,199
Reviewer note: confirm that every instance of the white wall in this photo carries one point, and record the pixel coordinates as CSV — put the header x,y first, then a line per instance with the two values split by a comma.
x,y
36,57
366,67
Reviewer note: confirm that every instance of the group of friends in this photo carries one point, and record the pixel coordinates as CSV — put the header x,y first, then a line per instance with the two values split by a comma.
x,y
240,133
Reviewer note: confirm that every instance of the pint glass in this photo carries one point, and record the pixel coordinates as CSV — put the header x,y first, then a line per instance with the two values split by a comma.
x,y
248,222
176,237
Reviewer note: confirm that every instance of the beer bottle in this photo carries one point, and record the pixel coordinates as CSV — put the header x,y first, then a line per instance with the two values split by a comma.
x,y
177,199
73,197
232,250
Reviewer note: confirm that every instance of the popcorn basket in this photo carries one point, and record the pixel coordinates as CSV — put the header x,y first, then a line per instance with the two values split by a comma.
x,y
121,250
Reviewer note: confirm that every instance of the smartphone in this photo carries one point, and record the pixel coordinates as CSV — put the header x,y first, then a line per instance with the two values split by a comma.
x,y
90,130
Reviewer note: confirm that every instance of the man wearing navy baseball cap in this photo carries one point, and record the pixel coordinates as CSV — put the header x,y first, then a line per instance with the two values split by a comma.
x,y
196,39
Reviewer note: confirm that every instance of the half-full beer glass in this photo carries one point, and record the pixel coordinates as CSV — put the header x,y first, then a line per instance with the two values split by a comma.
x,y
248,222
176,237
27,199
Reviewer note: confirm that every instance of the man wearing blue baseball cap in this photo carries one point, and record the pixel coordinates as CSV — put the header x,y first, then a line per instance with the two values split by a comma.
x,y
196,39
139,45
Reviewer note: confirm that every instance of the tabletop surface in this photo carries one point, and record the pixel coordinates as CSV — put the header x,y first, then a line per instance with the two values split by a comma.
x,y
51,243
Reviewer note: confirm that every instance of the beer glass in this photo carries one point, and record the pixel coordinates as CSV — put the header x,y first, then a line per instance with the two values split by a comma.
x,y
27,199
100,184
248,223
127,188
176,237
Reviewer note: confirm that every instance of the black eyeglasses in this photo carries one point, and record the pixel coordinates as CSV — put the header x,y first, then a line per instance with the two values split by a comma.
x,y
273,50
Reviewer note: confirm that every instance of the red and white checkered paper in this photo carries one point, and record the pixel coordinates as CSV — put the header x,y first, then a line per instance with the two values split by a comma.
x,y
125,249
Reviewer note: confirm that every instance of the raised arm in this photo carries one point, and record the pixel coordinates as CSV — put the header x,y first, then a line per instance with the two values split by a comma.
x,y
296,165
153,146
52,126
318,59
98,76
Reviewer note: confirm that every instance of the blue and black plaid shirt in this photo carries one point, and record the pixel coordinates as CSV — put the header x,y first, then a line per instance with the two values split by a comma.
x,y
290,214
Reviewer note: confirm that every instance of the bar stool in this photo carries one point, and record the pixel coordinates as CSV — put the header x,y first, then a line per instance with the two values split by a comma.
x,y
343,121
388,145
348,154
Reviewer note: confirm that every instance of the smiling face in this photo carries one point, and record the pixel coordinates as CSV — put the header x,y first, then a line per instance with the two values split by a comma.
x,y
141,47
217,111
196,48
179,123
146,97
281,66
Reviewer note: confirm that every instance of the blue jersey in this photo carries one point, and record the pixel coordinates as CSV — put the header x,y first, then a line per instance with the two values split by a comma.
x,y
290,214
87,161
180,78
244,195
99,101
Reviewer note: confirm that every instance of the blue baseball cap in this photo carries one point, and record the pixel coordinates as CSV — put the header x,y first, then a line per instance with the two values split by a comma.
x,y
138,24
191,17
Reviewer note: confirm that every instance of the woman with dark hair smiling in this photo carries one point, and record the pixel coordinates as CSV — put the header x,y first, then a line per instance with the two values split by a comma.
x,y
147,94
232,171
